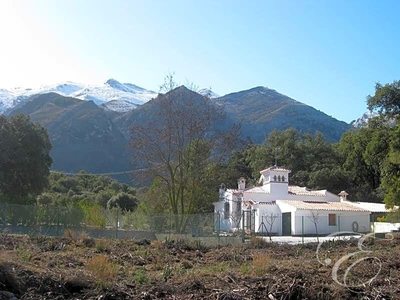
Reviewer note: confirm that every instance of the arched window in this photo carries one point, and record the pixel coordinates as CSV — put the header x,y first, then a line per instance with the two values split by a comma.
x,y
279,177
274,177
283,178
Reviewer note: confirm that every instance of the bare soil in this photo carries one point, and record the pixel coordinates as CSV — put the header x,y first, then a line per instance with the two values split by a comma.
x,y
79,267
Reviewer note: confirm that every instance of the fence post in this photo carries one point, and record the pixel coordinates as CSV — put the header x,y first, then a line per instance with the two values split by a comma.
x,y
219,227
302,230
170,224
116,225
262,225
242,226
58,220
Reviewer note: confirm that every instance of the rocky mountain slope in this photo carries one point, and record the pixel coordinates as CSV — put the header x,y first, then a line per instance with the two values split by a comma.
x,y
83,136
95,138
262,110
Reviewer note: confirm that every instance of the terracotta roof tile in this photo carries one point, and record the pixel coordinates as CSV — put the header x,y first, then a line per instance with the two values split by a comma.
x,y
303,191
257,189
275,168
319,205
373,207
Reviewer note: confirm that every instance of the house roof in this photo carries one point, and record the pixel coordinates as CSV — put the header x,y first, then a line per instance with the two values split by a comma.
x,y
275,168
267,203
293,190
303,191
321,205
372,207
257,189
235,191
252,202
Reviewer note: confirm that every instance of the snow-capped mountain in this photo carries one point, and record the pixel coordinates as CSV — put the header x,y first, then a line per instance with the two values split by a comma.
x,y
111,95
119,105
363,120
208,93
12,98
120,94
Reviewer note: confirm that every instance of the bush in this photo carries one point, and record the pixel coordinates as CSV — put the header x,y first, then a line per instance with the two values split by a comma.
x,y
44,199
141,277
124,201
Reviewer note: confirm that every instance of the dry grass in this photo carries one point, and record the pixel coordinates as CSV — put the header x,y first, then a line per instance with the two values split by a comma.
x,y
158,244
258,242
128,270
103,270
261,264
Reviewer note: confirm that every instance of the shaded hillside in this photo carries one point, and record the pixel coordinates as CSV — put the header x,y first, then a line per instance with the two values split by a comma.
x,y
96,139
82,134
149,111
262,110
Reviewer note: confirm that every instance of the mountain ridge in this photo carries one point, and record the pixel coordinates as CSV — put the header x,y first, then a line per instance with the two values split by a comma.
x,y
96,139
111,90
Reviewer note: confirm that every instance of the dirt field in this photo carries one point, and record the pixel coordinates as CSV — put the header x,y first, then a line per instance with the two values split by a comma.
x,y
78,267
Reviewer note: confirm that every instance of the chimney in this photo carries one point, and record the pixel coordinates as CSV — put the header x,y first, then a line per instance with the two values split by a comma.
x,y
343,196
241,183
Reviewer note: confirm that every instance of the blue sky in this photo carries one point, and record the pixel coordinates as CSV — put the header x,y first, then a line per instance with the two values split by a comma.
x,y
327,54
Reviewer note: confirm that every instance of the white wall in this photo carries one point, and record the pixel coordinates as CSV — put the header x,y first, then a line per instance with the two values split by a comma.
x,y
229,222
258,197
385,227
263,214
224,224
344,222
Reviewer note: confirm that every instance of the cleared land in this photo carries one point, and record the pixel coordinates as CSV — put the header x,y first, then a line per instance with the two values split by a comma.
x,y
79,267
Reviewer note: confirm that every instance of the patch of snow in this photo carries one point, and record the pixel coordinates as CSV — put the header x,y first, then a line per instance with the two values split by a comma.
x,y
113,90
119,105
208,93
363,120
126,95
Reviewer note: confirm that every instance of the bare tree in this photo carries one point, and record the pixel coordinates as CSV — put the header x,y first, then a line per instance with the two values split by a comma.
x,y
315,217
270,219
180,142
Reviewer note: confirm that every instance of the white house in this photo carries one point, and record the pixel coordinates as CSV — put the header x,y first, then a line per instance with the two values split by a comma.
x,y
280,209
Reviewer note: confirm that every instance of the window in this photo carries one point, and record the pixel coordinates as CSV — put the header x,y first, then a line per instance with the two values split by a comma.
x,y
283,177
332,219
226,210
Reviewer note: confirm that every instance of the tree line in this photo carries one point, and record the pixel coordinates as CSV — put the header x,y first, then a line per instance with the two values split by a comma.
x,y
186,153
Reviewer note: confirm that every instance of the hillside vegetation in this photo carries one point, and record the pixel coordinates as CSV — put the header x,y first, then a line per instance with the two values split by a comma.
x,y
96,139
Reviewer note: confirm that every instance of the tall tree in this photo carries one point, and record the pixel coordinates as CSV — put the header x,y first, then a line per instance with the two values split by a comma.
x,y
313,160
390,166
386,101
24,159
363,154
179,144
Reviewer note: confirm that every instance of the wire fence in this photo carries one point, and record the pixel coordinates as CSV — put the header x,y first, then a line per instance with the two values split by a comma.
x,y
98,222
213,228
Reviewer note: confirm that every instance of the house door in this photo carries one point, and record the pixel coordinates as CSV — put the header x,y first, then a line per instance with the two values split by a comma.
x,y
287,223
